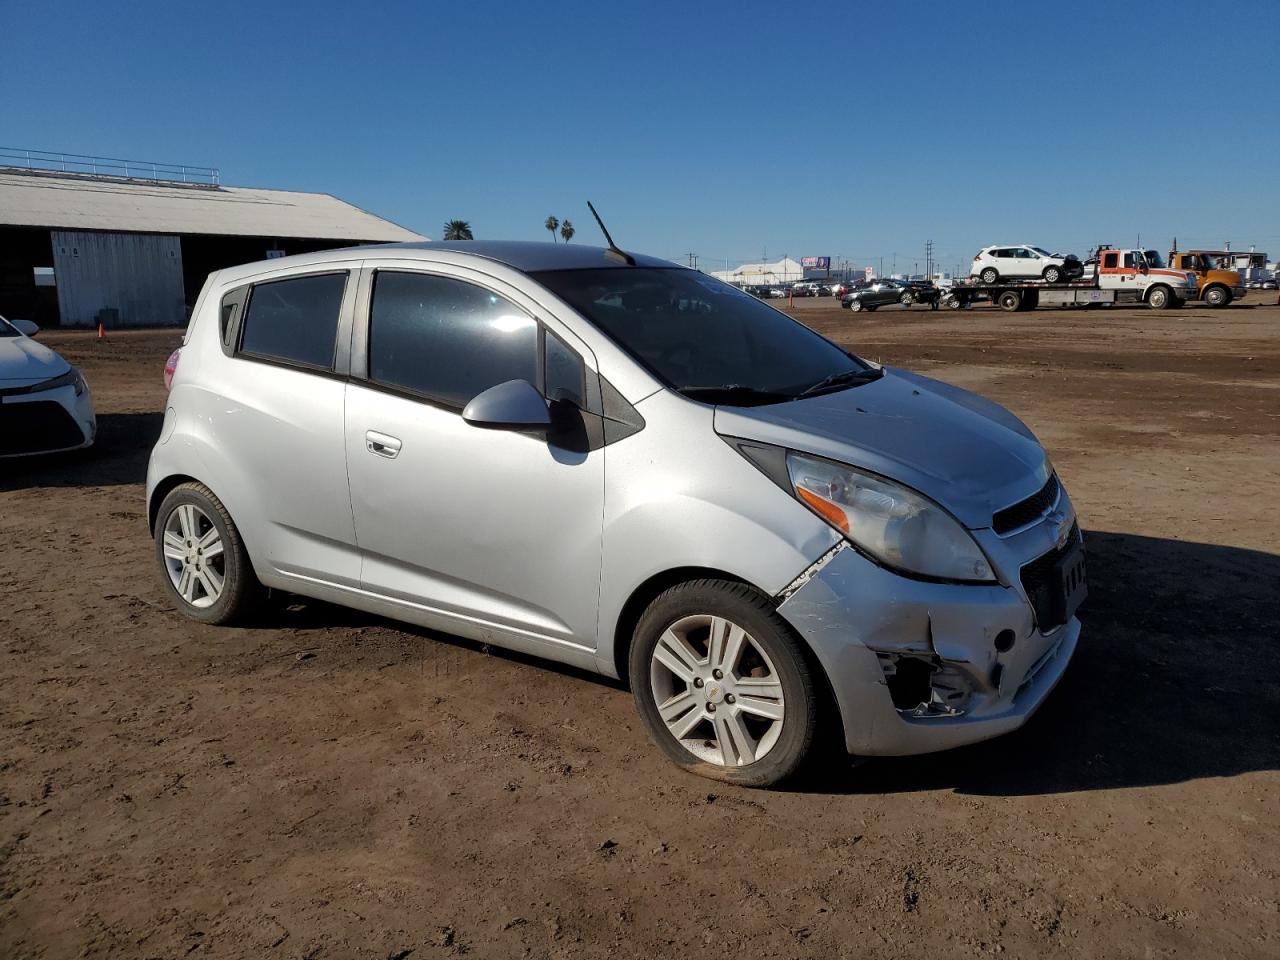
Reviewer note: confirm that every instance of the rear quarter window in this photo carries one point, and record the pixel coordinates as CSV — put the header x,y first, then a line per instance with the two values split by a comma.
x,y
294,320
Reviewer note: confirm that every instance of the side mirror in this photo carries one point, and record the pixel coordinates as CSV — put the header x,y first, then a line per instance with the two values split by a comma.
x,y
514,405
25,327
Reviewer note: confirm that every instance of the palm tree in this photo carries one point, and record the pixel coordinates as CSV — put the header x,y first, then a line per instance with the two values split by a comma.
x,y
551,225
458,230
566,231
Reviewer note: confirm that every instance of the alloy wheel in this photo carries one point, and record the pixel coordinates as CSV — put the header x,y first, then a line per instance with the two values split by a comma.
x,y
193,556
716,690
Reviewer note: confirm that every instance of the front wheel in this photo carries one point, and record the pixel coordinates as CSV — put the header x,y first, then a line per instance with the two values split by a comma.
x,y
907,300
1159,298
723,685
202,558
855,306
1217,296
1052,275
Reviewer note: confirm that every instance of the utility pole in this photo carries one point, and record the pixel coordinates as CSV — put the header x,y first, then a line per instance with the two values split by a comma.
x,y
928,259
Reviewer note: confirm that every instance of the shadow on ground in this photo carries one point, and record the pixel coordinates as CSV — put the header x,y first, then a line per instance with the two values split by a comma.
x,y
1173,680
118,456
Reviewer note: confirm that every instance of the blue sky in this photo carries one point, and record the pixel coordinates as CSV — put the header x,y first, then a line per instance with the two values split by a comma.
x,y
852,130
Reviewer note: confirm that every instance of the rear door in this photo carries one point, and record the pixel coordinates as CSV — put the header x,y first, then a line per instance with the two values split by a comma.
x,y
487,533
278,417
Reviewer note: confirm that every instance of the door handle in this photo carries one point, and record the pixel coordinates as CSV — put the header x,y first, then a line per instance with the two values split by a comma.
x,y
382,445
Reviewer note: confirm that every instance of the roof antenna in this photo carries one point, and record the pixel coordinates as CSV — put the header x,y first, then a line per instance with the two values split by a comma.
x,y
613,250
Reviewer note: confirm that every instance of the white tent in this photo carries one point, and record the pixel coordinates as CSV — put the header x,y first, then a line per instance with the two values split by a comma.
x,y
785,270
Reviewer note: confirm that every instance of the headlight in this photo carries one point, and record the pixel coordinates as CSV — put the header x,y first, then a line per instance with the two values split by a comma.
x,y
894,525
72,378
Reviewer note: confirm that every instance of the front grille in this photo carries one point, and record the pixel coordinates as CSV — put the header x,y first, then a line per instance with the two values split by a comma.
x,y
36,427
1044,587
1025,511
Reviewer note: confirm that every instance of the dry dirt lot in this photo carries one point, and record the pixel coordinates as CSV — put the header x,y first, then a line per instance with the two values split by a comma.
x,y
327,784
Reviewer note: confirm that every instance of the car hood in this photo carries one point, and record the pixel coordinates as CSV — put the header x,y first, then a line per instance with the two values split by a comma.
x,y
965,452
23,362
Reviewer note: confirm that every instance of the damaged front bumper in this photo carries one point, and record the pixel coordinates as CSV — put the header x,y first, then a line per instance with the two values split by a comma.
x,y
917,666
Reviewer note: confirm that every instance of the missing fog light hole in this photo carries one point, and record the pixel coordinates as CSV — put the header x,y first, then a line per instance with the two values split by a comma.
x,y
1004,641
911,682
922,686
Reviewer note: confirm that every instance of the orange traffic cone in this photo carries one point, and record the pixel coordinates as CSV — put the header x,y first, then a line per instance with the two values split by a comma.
x,y
102,330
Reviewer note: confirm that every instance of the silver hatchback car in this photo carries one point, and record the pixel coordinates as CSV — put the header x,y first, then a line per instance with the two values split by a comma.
x,y
625,465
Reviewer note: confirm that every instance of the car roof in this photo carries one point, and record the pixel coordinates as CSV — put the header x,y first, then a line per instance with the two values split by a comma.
x,y
522,255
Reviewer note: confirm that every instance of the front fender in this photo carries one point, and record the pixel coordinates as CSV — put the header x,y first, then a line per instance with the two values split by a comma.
x,y
678,496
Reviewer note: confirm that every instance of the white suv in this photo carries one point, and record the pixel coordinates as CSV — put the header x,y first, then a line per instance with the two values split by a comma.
x,y
993,264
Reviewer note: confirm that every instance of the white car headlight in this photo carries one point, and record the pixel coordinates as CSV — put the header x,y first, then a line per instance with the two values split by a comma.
x,y
895,525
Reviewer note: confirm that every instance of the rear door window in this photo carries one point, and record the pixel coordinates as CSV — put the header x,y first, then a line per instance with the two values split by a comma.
x,y
295,320
447,339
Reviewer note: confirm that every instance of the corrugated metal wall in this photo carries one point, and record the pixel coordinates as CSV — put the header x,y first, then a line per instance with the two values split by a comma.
x,y
138,275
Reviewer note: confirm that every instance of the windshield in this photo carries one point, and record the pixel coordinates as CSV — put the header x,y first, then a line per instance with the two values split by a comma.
x,y
7,330
1042,251
1153,259
703,337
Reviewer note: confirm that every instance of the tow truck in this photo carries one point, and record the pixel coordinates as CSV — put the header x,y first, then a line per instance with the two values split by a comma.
x,y
1111,276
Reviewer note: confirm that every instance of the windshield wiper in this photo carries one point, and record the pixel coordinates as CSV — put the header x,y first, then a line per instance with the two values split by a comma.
x,y
734,393
844,378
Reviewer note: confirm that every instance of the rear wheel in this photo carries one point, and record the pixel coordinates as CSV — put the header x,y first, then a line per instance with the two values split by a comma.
x,y
907,300
205,566
1009,301
1217,296
722,684
989,275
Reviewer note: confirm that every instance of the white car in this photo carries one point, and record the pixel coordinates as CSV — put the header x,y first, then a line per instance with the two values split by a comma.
x,y
45,404
1025,262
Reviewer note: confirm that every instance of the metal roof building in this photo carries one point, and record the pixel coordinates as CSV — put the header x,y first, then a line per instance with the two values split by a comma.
x,y
84,239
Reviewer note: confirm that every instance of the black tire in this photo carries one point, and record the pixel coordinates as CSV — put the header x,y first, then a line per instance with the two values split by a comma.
x,y
1160,297
871,307
241,591
856,306
1217,296
1052,274
1009,301
746,607
907,299
952,302
989,275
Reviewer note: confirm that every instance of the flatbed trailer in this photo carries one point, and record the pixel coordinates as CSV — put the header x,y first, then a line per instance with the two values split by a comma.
x,y
1029,294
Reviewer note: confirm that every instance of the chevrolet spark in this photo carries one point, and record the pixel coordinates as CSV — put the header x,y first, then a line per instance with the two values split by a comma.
x,y
621,464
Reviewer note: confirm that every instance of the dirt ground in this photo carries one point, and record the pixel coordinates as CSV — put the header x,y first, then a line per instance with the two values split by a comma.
x,y
325,784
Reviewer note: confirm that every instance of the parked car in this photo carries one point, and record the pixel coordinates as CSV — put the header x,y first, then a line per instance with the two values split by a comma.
x,y
993,264
621,464
45,403
878,293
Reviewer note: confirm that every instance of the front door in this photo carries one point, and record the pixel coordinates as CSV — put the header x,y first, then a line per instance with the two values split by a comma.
x,y
487,533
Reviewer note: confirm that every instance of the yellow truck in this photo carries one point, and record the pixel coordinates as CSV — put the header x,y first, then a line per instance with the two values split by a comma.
x,y
1218,287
